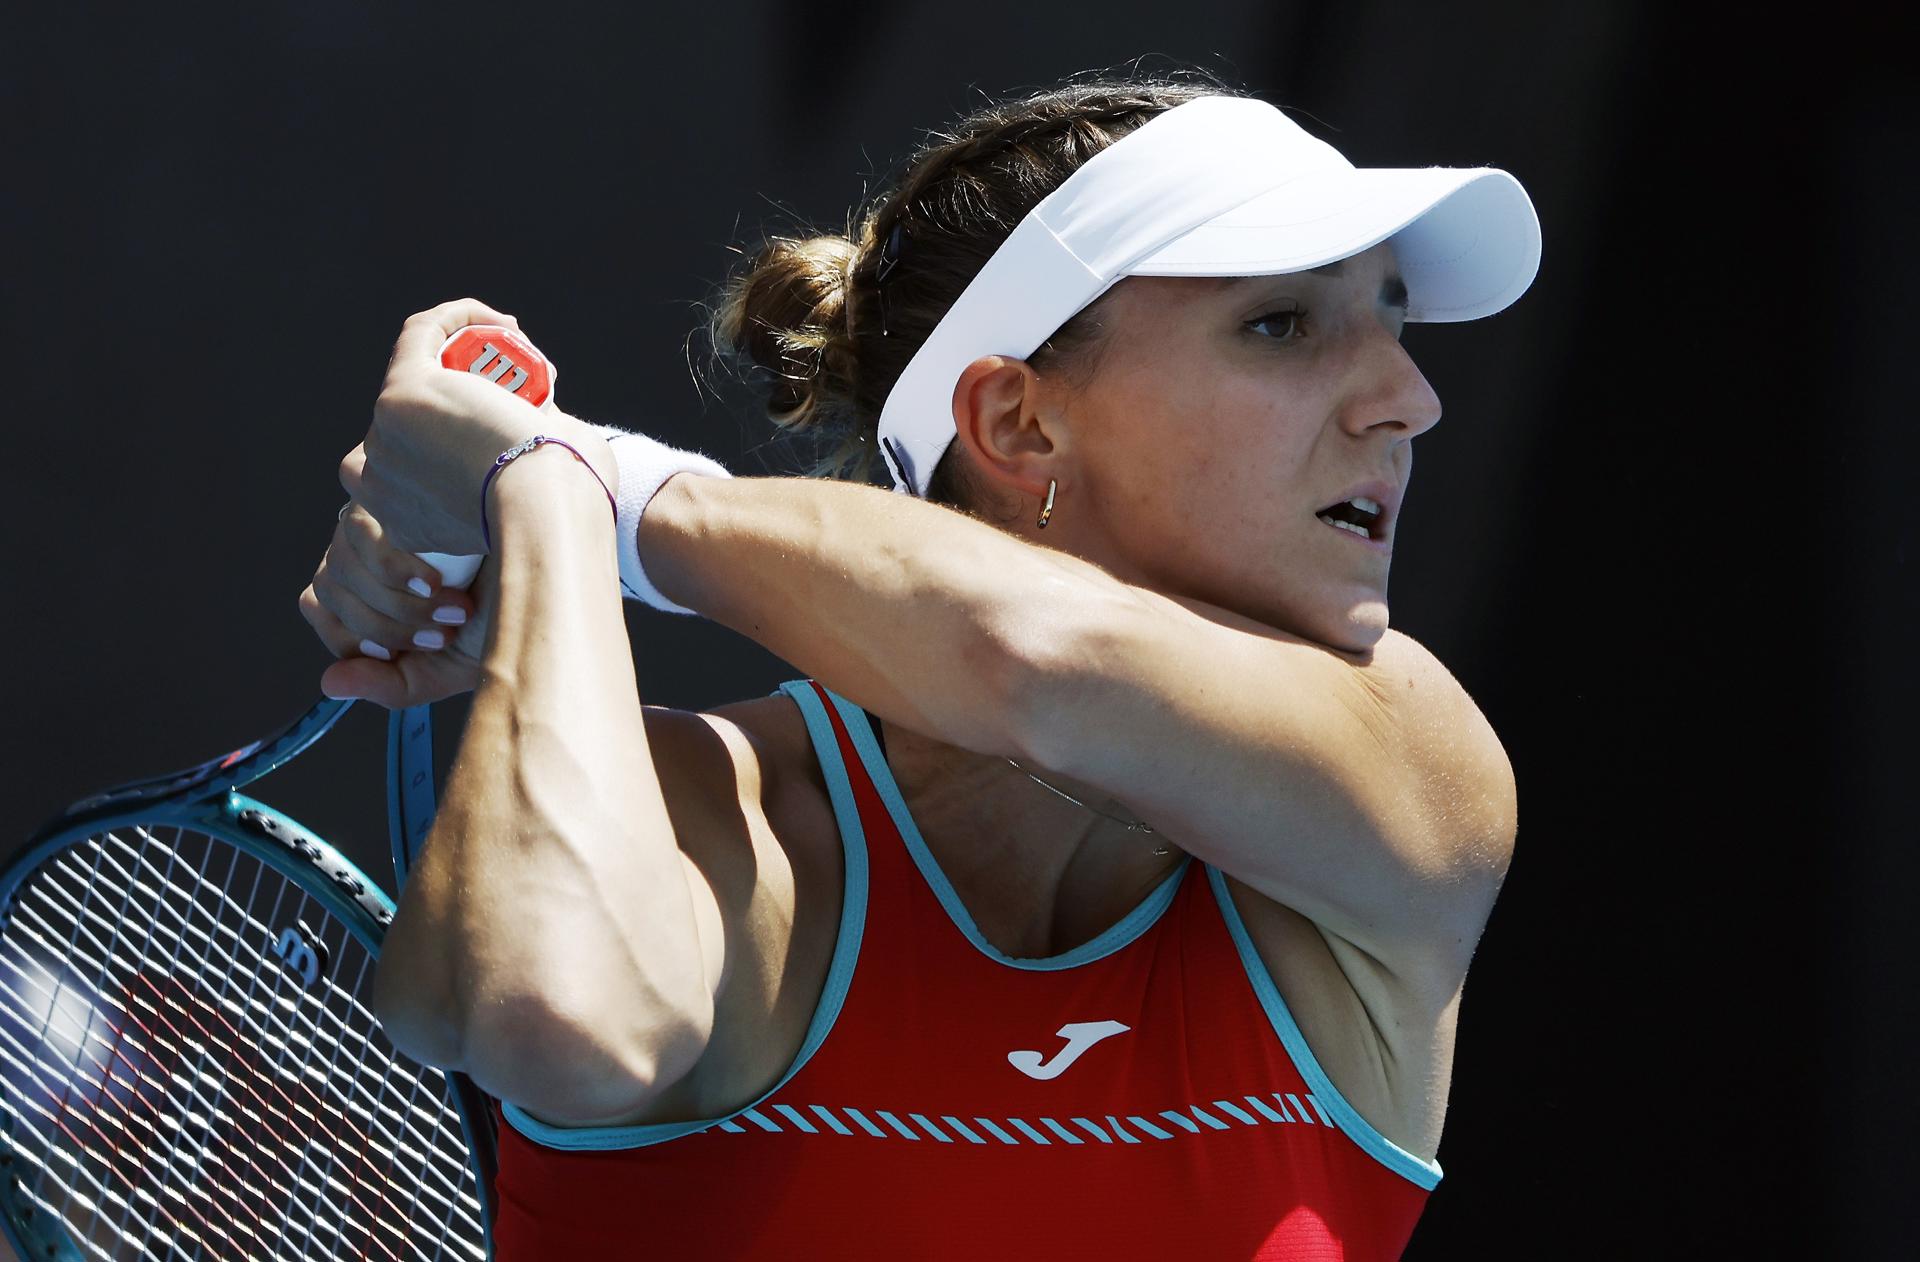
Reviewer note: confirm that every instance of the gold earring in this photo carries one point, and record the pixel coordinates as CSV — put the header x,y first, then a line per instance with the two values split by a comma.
x,y
1046,511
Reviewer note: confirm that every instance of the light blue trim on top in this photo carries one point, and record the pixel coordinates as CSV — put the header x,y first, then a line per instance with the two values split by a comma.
x,y
1424,1174
846,952
1129,927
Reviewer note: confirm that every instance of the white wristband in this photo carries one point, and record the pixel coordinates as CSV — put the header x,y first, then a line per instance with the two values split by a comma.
x,y
645,464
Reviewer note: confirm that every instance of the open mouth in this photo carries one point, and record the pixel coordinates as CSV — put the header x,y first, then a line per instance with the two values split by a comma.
x,y
1359,515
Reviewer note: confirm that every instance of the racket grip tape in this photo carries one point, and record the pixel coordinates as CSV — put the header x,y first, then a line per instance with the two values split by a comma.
x,y
505,357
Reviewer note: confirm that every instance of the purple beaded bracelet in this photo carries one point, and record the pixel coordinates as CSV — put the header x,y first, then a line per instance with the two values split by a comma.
x,y
514,453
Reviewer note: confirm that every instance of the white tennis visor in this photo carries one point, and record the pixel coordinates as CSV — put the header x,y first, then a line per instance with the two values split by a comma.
x,y
1217,186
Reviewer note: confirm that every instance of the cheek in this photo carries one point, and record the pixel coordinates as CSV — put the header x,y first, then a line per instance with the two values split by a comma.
x,y
1211,447
1259,464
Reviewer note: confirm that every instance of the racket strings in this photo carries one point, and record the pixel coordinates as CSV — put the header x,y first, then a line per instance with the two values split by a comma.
x,y
155,1006
310,1038
290,1027
180,1089
216,1040
306,1042
297,1024
58,1109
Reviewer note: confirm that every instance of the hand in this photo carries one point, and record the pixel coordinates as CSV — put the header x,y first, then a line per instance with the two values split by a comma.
x,y
360,595
437,431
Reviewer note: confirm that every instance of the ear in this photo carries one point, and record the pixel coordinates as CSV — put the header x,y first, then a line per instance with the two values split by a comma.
x,y
1009,424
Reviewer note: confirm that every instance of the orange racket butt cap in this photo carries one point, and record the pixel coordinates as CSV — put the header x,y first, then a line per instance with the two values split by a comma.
x,y
503,356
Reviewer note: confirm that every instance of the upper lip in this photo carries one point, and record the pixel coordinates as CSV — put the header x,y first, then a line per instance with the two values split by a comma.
x,y
1385,494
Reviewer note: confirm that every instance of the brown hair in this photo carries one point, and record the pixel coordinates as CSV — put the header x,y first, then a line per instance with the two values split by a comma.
x,y
804,308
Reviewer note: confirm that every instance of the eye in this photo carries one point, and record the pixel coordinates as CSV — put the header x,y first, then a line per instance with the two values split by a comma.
x,y
1294,317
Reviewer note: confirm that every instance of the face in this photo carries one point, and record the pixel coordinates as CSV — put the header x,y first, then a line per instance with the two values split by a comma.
x,y
1225,415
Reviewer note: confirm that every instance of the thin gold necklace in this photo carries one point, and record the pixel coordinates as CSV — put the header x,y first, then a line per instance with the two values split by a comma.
x,y
1134,826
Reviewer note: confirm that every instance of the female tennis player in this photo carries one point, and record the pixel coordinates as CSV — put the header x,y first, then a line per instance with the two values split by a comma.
x,y
1108,886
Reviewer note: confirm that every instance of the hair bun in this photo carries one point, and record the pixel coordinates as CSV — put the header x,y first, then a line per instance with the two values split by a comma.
x,y
786,312
806,308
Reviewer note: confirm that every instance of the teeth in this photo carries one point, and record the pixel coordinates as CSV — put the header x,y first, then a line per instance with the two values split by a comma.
x,y
1347,526
1365,505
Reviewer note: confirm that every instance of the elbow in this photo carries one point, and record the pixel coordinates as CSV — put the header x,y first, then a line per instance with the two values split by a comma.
x,y
419,1028
560,1053
571,1066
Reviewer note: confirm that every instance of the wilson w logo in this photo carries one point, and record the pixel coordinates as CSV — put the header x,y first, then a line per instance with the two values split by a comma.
x,y
501,366
301,950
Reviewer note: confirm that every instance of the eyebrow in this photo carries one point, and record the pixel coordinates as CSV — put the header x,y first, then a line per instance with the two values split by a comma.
x,y
1393,290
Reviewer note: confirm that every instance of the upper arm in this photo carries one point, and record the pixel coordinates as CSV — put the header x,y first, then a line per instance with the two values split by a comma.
x,y
1366,792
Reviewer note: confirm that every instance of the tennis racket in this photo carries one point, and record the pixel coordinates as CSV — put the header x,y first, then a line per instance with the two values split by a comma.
x,y
188,1068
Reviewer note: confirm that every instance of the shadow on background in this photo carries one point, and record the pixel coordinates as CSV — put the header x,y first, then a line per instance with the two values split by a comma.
x,y
1659,536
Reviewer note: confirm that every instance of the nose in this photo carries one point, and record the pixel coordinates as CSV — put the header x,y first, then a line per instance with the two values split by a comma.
x,y
1398,393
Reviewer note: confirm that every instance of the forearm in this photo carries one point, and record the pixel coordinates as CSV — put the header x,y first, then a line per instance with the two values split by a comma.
x,y
917,613
550,887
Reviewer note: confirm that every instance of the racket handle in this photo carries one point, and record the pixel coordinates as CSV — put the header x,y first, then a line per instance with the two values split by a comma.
x,y
503,356
455,571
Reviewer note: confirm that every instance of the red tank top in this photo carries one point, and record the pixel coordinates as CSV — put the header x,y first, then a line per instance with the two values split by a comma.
x,y
1146,1094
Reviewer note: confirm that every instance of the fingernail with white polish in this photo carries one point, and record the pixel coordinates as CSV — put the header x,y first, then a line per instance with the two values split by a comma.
x,y
452,615
429,639
419,587
374,650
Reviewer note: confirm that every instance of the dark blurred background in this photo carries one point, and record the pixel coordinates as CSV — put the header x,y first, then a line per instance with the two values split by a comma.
x,y
1661,535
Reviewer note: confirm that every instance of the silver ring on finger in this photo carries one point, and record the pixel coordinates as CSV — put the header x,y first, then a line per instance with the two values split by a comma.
x,y
342,516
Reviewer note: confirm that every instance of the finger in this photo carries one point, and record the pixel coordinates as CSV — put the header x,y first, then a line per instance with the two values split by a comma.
x,y
365,678
397,583
416,679
342,640
425,332
352,468
339,641
368,625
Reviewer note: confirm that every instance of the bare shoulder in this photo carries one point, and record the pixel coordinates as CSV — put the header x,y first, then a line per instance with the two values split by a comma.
x,y
750,811
1452,744
729,768
1387,1047
793,793
1383,1022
